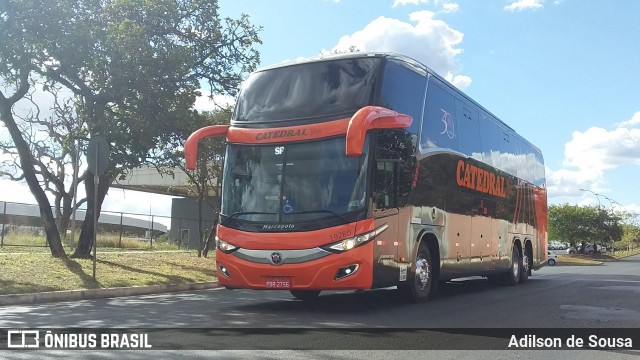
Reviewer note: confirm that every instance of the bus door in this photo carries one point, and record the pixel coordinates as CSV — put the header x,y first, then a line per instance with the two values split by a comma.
x,y
385,211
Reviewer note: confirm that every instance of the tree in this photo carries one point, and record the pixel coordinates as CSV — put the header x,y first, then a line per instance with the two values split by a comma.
x,y
631,231
573,224
52,135
207,178
134,67
15,70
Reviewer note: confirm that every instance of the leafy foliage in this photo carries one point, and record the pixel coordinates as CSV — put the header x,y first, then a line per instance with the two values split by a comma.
x,y
206,180
135,68
574,224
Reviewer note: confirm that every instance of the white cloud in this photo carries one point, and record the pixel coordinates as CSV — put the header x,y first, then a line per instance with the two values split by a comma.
x,y
568,182
460,81
397,3
521,5
635,120
426,39
445,6
590,154
450,7
598,149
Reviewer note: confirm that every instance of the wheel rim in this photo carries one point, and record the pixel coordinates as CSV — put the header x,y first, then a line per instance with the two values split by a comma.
x,y
422,273
525,263
515,266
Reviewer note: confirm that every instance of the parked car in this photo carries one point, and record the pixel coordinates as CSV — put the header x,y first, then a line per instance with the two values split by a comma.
x,y
562,247
588,249
557,245
551,257
565,250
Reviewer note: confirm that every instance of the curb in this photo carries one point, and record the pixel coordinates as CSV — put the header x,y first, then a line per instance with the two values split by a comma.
x,y
70,295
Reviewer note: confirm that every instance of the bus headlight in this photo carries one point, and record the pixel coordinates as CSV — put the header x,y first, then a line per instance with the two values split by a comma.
x,y
224,246
350,243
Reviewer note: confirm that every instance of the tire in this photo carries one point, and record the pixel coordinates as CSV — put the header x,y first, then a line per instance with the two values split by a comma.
x,y
571,252
305,295
551,262
590,252
525,270
512,277
420,282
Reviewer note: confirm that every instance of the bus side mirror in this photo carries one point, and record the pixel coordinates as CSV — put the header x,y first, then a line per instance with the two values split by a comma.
x,y
372,117
191,145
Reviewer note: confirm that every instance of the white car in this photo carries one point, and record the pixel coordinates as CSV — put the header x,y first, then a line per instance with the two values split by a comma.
x,y
588,249
551,257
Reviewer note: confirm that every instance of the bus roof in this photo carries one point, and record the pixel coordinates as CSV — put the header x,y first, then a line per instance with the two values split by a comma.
x,y
396,56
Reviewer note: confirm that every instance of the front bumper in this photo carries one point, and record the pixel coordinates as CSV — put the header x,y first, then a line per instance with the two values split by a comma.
x,y
315,274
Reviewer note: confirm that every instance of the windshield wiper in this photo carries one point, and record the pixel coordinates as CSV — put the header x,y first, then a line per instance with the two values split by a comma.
x,y
240,213
319,211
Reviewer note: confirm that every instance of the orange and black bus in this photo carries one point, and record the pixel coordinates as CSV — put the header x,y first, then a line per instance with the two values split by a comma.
x,y
369,170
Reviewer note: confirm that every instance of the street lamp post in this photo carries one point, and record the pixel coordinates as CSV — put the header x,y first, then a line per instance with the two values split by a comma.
x,y
596,195
611,202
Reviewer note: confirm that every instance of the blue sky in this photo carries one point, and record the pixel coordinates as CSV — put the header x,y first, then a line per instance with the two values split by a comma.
x,y
562,73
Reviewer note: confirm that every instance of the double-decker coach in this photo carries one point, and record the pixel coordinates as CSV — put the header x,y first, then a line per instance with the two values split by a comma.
x,y
369,170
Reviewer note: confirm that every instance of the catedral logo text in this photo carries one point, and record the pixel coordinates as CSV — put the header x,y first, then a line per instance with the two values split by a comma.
x,y
281,133
474,178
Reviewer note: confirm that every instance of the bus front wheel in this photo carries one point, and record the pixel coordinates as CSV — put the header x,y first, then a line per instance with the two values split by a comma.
x,y
419,284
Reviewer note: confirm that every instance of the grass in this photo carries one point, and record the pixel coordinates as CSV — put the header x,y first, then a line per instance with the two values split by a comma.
x,y
21,241
583,259
624,254
577,260
38,271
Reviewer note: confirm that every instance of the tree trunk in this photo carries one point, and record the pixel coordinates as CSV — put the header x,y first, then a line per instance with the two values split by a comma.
x,y
207,245
85,241
65,218
200,229
26,162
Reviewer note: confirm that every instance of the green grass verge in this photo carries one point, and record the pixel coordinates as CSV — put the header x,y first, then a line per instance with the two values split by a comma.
x,y
583,259
624,254
38,271
21,242
576,260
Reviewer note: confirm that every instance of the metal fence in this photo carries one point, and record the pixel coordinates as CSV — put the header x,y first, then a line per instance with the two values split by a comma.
x,y
21,226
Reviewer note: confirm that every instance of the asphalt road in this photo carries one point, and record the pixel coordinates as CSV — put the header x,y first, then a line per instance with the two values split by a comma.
x,y
588,297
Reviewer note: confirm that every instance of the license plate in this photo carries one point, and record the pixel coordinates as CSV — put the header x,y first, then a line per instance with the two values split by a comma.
x,y
278,283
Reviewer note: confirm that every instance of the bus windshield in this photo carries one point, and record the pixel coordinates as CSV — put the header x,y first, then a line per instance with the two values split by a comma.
x,y
309,90
291,182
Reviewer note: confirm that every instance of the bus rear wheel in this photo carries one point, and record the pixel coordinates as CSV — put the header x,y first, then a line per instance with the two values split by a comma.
x,y
420,282
512,277
305,295
525,270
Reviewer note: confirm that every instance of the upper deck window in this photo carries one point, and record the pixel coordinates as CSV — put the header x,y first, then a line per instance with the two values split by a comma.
x,y
322,89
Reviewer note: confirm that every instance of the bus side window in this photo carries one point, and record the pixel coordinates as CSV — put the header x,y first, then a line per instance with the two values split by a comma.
x,y
439,125
385,185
